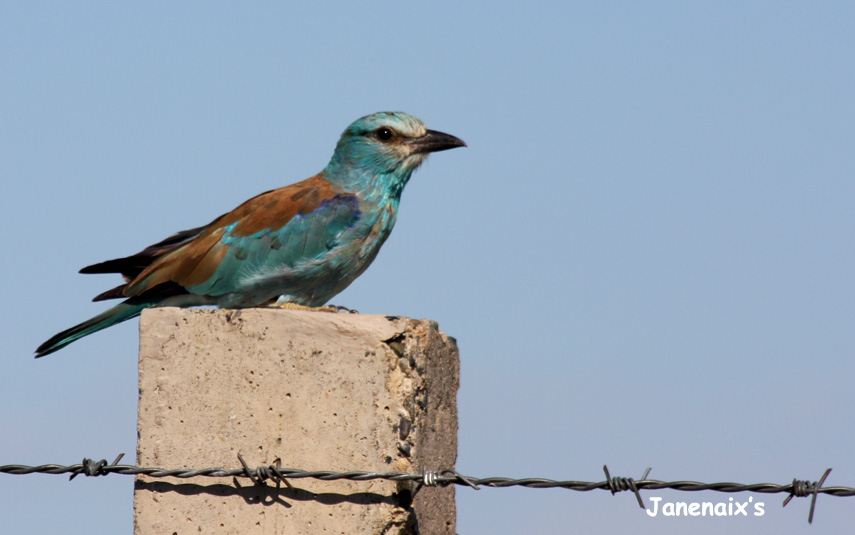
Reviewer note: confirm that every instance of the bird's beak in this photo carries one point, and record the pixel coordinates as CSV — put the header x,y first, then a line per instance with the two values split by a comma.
x,y
434,141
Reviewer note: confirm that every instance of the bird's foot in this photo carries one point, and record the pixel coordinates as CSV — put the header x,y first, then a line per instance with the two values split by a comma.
x,y
343,309
294,306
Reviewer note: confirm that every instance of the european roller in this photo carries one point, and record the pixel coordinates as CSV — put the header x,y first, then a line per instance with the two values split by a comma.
x,y
301,244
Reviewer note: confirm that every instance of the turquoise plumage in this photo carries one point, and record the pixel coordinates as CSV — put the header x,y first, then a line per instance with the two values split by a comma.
x,y
299,244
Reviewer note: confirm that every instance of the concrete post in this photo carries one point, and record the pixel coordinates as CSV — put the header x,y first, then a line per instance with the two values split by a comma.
x,y
320,391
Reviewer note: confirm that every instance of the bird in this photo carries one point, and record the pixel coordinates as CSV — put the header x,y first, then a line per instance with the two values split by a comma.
x,y
298,245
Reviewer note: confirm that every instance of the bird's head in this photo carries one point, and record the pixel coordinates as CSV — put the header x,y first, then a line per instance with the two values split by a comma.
x,y
390,144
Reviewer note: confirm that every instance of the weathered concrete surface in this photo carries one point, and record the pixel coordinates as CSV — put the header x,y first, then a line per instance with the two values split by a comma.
x,y
320,391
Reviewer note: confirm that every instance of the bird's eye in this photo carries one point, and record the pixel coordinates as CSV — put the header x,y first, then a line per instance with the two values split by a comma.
x,y
384,134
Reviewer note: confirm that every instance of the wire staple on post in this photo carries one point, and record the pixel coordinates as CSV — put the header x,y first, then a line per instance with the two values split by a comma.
x,y
429,478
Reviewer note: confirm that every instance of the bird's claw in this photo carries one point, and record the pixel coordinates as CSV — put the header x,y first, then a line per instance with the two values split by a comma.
x,y
294,306
343,309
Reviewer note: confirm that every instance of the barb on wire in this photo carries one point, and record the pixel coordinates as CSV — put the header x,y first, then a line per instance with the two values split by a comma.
x,y
275,472
263,473
618,484
92,468
458,479
800,489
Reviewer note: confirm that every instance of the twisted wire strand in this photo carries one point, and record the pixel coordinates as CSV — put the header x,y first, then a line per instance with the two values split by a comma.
x,y
275,472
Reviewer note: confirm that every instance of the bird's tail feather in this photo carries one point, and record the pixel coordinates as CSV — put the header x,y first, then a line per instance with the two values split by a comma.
x,y
119,313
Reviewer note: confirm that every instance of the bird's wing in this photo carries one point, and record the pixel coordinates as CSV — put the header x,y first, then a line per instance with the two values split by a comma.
x,y
286,226
131,266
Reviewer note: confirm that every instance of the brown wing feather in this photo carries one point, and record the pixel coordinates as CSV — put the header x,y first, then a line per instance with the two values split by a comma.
x,y
131,266
195,261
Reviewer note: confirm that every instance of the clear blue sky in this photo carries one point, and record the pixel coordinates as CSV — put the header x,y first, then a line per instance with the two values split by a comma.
x,y
646,251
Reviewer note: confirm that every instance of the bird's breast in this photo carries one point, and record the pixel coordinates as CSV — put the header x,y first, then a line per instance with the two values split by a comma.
x,y
314,279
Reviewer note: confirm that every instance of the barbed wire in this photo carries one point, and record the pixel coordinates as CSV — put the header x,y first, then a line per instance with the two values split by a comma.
x,y
278,474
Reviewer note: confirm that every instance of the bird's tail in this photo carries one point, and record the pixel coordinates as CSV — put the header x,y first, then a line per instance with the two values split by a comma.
x,y
119,313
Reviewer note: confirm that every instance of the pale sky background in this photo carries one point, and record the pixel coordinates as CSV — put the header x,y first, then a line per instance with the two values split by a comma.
x,y
645,253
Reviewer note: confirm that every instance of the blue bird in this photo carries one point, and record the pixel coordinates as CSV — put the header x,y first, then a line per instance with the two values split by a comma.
x,y
301,244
